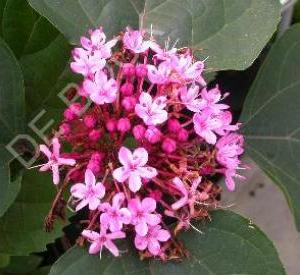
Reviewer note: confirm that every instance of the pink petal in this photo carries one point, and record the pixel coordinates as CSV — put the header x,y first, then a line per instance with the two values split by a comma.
x,y
56,147
125,215
91,235
55,174
95,247
153,219
45,167
180,203
118,199
140,156
78,190
153,246
163,235
65,161
147,172
148,205
180,186
82,204
141,229
93,203
134,206
116,235
89,177
99,190
112,248
104,219
135,182
45,150
125,156
121,174
140,243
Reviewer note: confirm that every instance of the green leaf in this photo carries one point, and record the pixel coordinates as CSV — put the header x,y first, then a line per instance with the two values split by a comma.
x,y
21,228
271,117
22,264
4,260
24,30
231,32
229,245
12,118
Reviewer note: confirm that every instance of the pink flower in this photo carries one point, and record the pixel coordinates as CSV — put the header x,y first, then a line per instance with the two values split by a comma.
x,y
86,64
134,41
101,90
113,215
54,159
103,239
133,168
159,75
226,119
229,148
89,193
151,111
211,98
189,194
188,70
152,239
205,125
142,216
229,175
190,98
97,43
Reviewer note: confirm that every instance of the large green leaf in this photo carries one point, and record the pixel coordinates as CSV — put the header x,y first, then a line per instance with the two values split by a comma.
x,y
21,228
229,245
24,30
12,117
271,117
231,32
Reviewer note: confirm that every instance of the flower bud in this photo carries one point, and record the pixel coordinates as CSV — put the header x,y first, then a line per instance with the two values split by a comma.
x,y
153,135
98,156
183,135
129,103
95,135
169,145
174,125
128,69
123,125
111,125
76,108
141,70
65,129
94,165
139,132
89,121
127,89
69,115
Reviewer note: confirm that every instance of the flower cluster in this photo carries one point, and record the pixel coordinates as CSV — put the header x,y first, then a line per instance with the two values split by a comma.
x,y
148,140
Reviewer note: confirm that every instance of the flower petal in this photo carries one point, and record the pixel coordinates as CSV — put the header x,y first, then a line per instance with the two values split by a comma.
x,y
95,247
91,235
147,172
148,205
125,156
121,174
82,204
163,235
153,246
55,172
153,219
112,248
89,177
65,161
45,150
141,228
135,182
140,156
78,190
140,242
56,147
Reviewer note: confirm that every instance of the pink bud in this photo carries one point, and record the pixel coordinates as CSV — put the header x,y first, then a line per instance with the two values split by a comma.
x,y
153,135
139,132
95,135
94,166
127,89
183,135
123,125
128,69
169,145
69,115
89,121
64,129
76,108
111,125
141,70
174,125
129,103
98,156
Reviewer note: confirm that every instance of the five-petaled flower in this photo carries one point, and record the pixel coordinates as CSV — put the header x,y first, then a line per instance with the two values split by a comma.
x,y
89,193
151,111
142,215
103,239
54,159
134,168
114,216
152,239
